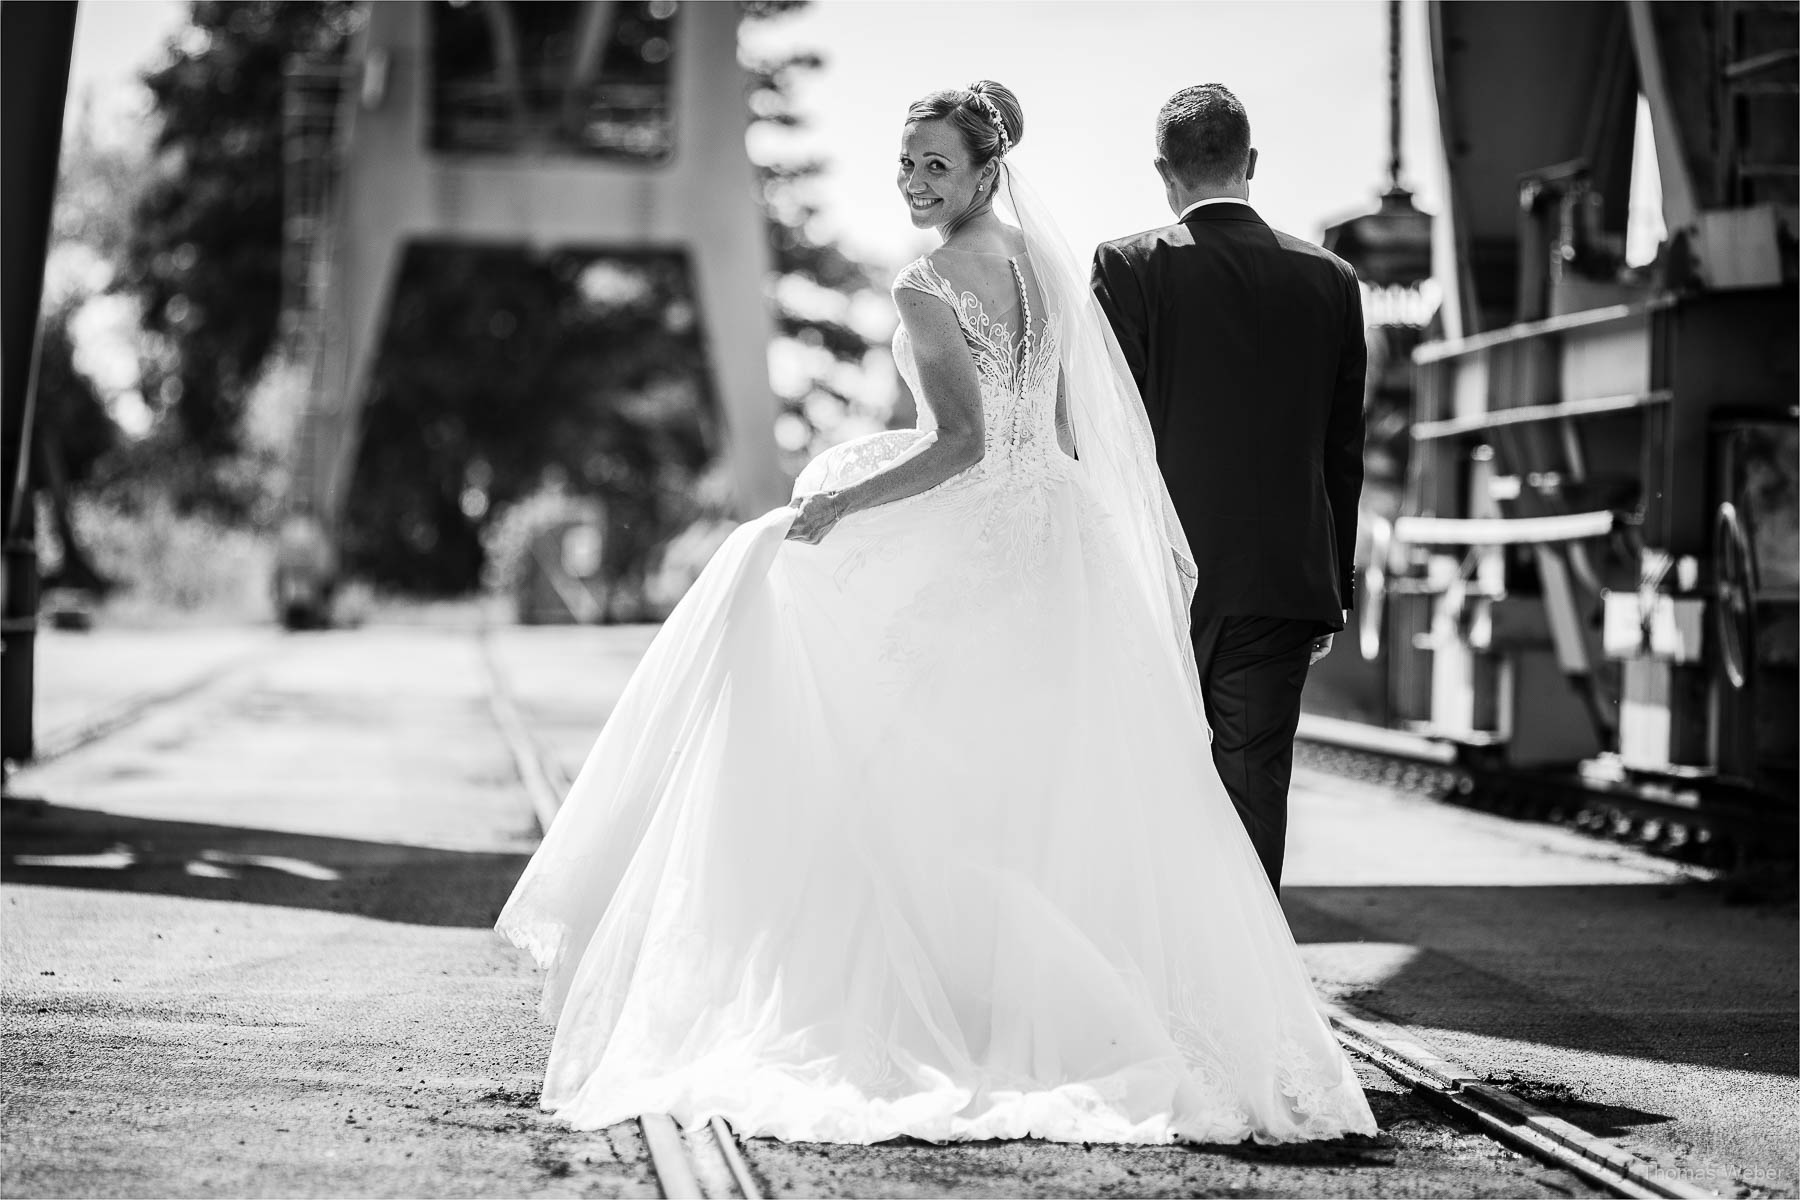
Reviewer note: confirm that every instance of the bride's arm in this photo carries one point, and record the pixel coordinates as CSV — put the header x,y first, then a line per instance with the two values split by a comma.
x,y
949,384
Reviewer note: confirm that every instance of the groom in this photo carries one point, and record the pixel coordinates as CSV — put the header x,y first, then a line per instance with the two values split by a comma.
x,y
1247,345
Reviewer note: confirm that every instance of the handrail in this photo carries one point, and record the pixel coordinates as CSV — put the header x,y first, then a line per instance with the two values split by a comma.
x,y
1502,531
1432,352
1528,413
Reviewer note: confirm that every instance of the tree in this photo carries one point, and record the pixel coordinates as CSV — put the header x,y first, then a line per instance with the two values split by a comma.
x,y
790,208
74,431
502,369
205,254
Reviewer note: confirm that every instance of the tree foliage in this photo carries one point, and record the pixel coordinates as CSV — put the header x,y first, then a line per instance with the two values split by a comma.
x,y
205,254
73,433
790,209
503,369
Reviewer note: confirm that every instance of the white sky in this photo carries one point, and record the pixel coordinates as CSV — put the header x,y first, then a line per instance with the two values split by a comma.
x,y
1091,76
114,40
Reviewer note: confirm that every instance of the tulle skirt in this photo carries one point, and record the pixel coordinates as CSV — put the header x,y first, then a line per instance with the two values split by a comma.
x,y
917,832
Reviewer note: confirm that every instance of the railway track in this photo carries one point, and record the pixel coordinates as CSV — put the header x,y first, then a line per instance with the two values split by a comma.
x,y
709,1163
705,1162
1717,827
62,739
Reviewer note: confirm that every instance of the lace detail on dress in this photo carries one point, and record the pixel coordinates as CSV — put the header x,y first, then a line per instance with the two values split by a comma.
x,y
1196,1028
1003,364
1018,379
1321,1095
1006,498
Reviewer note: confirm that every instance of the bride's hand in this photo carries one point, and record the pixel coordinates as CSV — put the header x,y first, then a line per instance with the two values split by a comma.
x,y
818,513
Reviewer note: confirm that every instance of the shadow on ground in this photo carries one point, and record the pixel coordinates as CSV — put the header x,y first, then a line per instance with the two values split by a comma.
x,y
1662,972
51,846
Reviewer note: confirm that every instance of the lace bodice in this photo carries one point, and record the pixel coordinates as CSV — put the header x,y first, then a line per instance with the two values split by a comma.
x,y
1017,369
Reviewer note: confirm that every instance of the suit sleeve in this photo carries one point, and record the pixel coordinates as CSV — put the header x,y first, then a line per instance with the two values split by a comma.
x,y
1344,437
1116,289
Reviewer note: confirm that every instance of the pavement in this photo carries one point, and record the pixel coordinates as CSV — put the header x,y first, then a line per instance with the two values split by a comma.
x,y
85,679
1621,992
247,951
248,946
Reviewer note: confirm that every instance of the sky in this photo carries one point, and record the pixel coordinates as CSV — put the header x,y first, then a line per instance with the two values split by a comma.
x,y
114,41
1091,76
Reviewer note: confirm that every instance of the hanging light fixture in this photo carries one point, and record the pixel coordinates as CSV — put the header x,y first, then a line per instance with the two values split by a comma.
x,y
1390,247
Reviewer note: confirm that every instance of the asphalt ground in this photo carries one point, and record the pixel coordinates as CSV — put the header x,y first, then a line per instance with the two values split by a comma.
x,y
247,951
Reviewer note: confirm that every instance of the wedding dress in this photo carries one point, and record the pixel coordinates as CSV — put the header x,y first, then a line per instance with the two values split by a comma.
x,y
917,832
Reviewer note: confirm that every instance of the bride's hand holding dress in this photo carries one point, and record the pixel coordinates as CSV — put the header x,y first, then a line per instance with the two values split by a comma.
x,y
950,384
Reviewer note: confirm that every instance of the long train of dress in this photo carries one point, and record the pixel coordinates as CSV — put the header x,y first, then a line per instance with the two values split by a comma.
x,y
916,832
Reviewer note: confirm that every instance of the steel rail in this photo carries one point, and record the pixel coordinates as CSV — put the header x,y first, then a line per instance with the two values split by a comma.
x,y
1506,1118
65,739
1713,832
672,1158
1502,1116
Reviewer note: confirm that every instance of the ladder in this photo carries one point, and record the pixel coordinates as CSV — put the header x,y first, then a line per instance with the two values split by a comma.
x,y
1759,78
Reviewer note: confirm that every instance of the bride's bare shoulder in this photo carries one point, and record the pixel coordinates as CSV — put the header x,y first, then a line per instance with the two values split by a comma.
x,y
976,269
997,241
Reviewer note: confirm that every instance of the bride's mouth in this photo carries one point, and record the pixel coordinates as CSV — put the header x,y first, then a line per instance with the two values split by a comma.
x,y
921,204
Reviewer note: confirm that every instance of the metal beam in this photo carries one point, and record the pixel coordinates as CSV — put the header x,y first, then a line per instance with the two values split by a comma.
x,y
35,43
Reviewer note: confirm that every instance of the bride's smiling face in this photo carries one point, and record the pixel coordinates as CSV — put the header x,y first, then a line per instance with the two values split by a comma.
x,y
938,177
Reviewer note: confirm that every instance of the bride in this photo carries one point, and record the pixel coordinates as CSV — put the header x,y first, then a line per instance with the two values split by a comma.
x,y
907,823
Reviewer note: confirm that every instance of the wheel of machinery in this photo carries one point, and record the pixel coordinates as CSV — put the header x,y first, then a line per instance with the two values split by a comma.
x,y
1734,574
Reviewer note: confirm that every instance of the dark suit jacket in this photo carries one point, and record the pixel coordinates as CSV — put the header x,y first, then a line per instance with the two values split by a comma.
x,y
1248,349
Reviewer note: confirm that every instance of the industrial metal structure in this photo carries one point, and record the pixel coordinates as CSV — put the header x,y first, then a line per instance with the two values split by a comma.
x,y
35,43
602,125
1594,563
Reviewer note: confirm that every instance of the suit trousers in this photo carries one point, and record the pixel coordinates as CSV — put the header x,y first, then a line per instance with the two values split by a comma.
x,y
1252,671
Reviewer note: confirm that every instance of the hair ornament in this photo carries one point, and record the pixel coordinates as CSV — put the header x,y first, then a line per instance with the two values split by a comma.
x,y
993,113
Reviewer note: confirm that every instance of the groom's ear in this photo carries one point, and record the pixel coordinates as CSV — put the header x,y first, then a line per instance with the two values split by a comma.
x,y
1250,166
1162,169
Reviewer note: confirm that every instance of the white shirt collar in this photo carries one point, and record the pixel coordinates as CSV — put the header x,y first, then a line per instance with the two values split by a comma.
x,y
1186,212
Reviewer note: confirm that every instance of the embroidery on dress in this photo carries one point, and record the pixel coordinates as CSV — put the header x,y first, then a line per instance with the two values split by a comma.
x,y
1006,499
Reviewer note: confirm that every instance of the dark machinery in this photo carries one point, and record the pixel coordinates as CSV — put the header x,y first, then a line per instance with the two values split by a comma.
x,y
35,43
1594,563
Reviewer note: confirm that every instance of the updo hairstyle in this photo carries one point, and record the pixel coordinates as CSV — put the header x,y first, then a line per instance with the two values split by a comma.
x,y
966,109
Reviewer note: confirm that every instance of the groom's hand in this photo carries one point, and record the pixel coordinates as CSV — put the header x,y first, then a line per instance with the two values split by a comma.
x,y
1321,646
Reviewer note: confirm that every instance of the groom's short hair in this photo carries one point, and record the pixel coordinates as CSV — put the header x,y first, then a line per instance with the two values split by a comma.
x,y
1203,134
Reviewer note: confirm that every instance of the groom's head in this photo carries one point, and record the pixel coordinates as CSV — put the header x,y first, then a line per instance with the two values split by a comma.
x,y
1203,145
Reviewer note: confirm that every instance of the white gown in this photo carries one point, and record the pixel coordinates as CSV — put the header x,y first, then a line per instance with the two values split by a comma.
x,y
916,832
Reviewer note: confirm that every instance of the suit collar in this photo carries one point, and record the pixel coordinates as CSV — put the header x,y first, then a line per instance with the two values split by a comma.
x,y
1240,211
